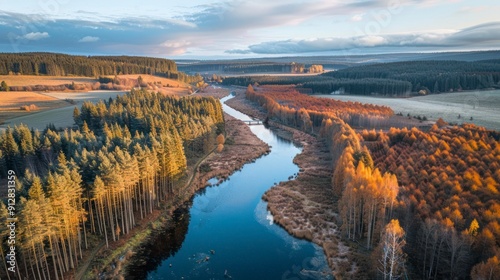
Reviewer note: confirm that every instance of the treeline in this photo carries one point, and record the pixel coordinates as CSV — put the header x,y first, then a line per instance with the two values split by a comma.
x,y
440,187
244,67
271,80
295,109
53,64
326,85
430,76
99,179
398,78
365,86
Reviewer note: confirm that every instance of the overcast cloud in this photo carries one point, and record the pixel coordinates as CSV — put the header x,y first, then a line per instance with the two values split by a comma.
x,y
481,36
249,28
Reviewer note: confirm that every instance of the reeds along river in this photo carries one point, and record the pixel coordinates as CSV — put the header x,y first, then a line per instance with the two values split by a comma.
x,y
226,232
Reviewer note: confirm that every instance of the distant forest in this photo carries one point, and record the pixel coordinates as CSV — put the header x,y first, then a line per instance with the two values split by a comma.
x,y
244,67
52,64
398,78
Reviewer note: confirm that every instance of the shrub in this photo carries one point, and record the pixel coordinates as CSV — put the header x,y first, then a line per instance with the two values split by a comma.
x,y
4,86
29,108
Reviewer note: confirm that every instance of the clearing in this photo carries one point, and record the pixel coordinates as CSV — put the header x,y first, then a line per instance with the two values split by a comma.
x,y
57,106
57,111
158,84
11,101
482,106
29,80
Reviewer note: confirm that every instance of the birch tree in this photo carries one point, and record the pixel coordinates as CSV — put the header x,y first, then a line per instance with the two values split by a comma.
x,y
392,258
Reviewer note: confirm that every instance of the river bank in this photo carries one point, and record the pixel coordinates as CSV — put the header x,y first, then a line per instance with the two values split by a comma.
x,y
241,147
306,206
227,230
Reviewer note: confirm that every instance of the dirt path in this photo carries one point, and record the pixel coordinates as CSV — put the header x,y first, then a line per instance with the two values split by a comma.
x,y
84,266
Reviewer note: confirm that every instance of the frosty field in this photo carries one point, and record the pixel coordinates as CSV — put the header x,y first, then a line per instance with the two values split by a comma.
x,y
482,106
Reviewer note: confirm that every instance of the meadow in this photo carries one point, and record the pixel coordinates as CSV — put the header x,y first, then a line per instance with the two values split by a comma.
x,y
56,107
11,102
58,111
23,80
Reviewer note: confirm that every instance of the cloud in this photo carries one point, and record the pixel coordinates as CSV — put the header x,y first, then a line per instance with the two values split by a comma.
x,y
176,47
484,35
88,39
224,27
358,17
34,36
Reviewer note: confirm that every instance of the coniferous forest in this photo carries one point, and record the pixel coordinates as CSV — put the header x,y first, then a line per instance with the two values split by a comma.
x,y
53,64
392,79
123,159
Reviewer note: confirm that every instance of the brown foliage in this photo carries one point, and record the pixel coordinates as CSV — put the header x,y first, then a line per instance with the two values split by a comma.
x,y
450,174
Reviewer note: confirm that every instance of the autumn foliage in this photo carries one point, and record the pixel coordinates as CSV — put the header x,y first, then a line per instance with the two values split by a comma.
x,y
442,184
450,190
299,110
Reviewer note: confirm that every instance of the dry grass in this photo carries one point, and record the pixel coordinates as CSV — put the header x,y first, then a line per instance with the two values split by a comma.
x,y
13,104
157,84
241,146
244,147
53,107
163,85
306,207
27,80
153,80
12,101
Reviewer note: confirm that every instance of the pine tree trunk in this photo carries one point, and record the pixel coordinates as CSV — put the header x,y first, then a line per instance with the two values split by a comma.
x,y
54,257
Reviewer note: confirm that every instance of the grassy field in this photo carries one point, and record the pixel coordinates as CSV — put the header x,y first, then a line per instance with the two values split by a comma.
x,y
153,79
59,116
163,85
482,106
57,107
24,80
11,101
157,84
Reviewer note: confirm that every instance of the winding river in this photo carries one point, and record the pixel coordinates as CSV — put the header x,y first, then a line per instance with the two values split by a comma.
x,y
225,231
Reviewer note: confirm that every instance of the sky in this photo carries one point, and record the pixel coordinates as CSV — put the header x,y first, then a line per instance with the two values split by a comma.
x,y
236,29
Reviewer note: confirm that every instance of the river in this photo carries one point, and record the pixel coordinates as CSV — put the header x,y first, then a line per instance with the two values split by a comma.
x,y
226,232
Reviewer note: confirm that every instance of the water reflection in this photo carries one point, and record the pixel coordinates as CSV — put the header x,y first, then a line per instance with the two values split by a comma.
x,y
230,233
167,242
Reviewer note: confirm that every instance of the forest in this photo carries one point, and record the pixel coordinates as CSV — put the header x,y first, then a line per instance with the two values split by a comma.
x,y
431,76
299,110
392,79
449,179
95,181
243,67
425,202
53,64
